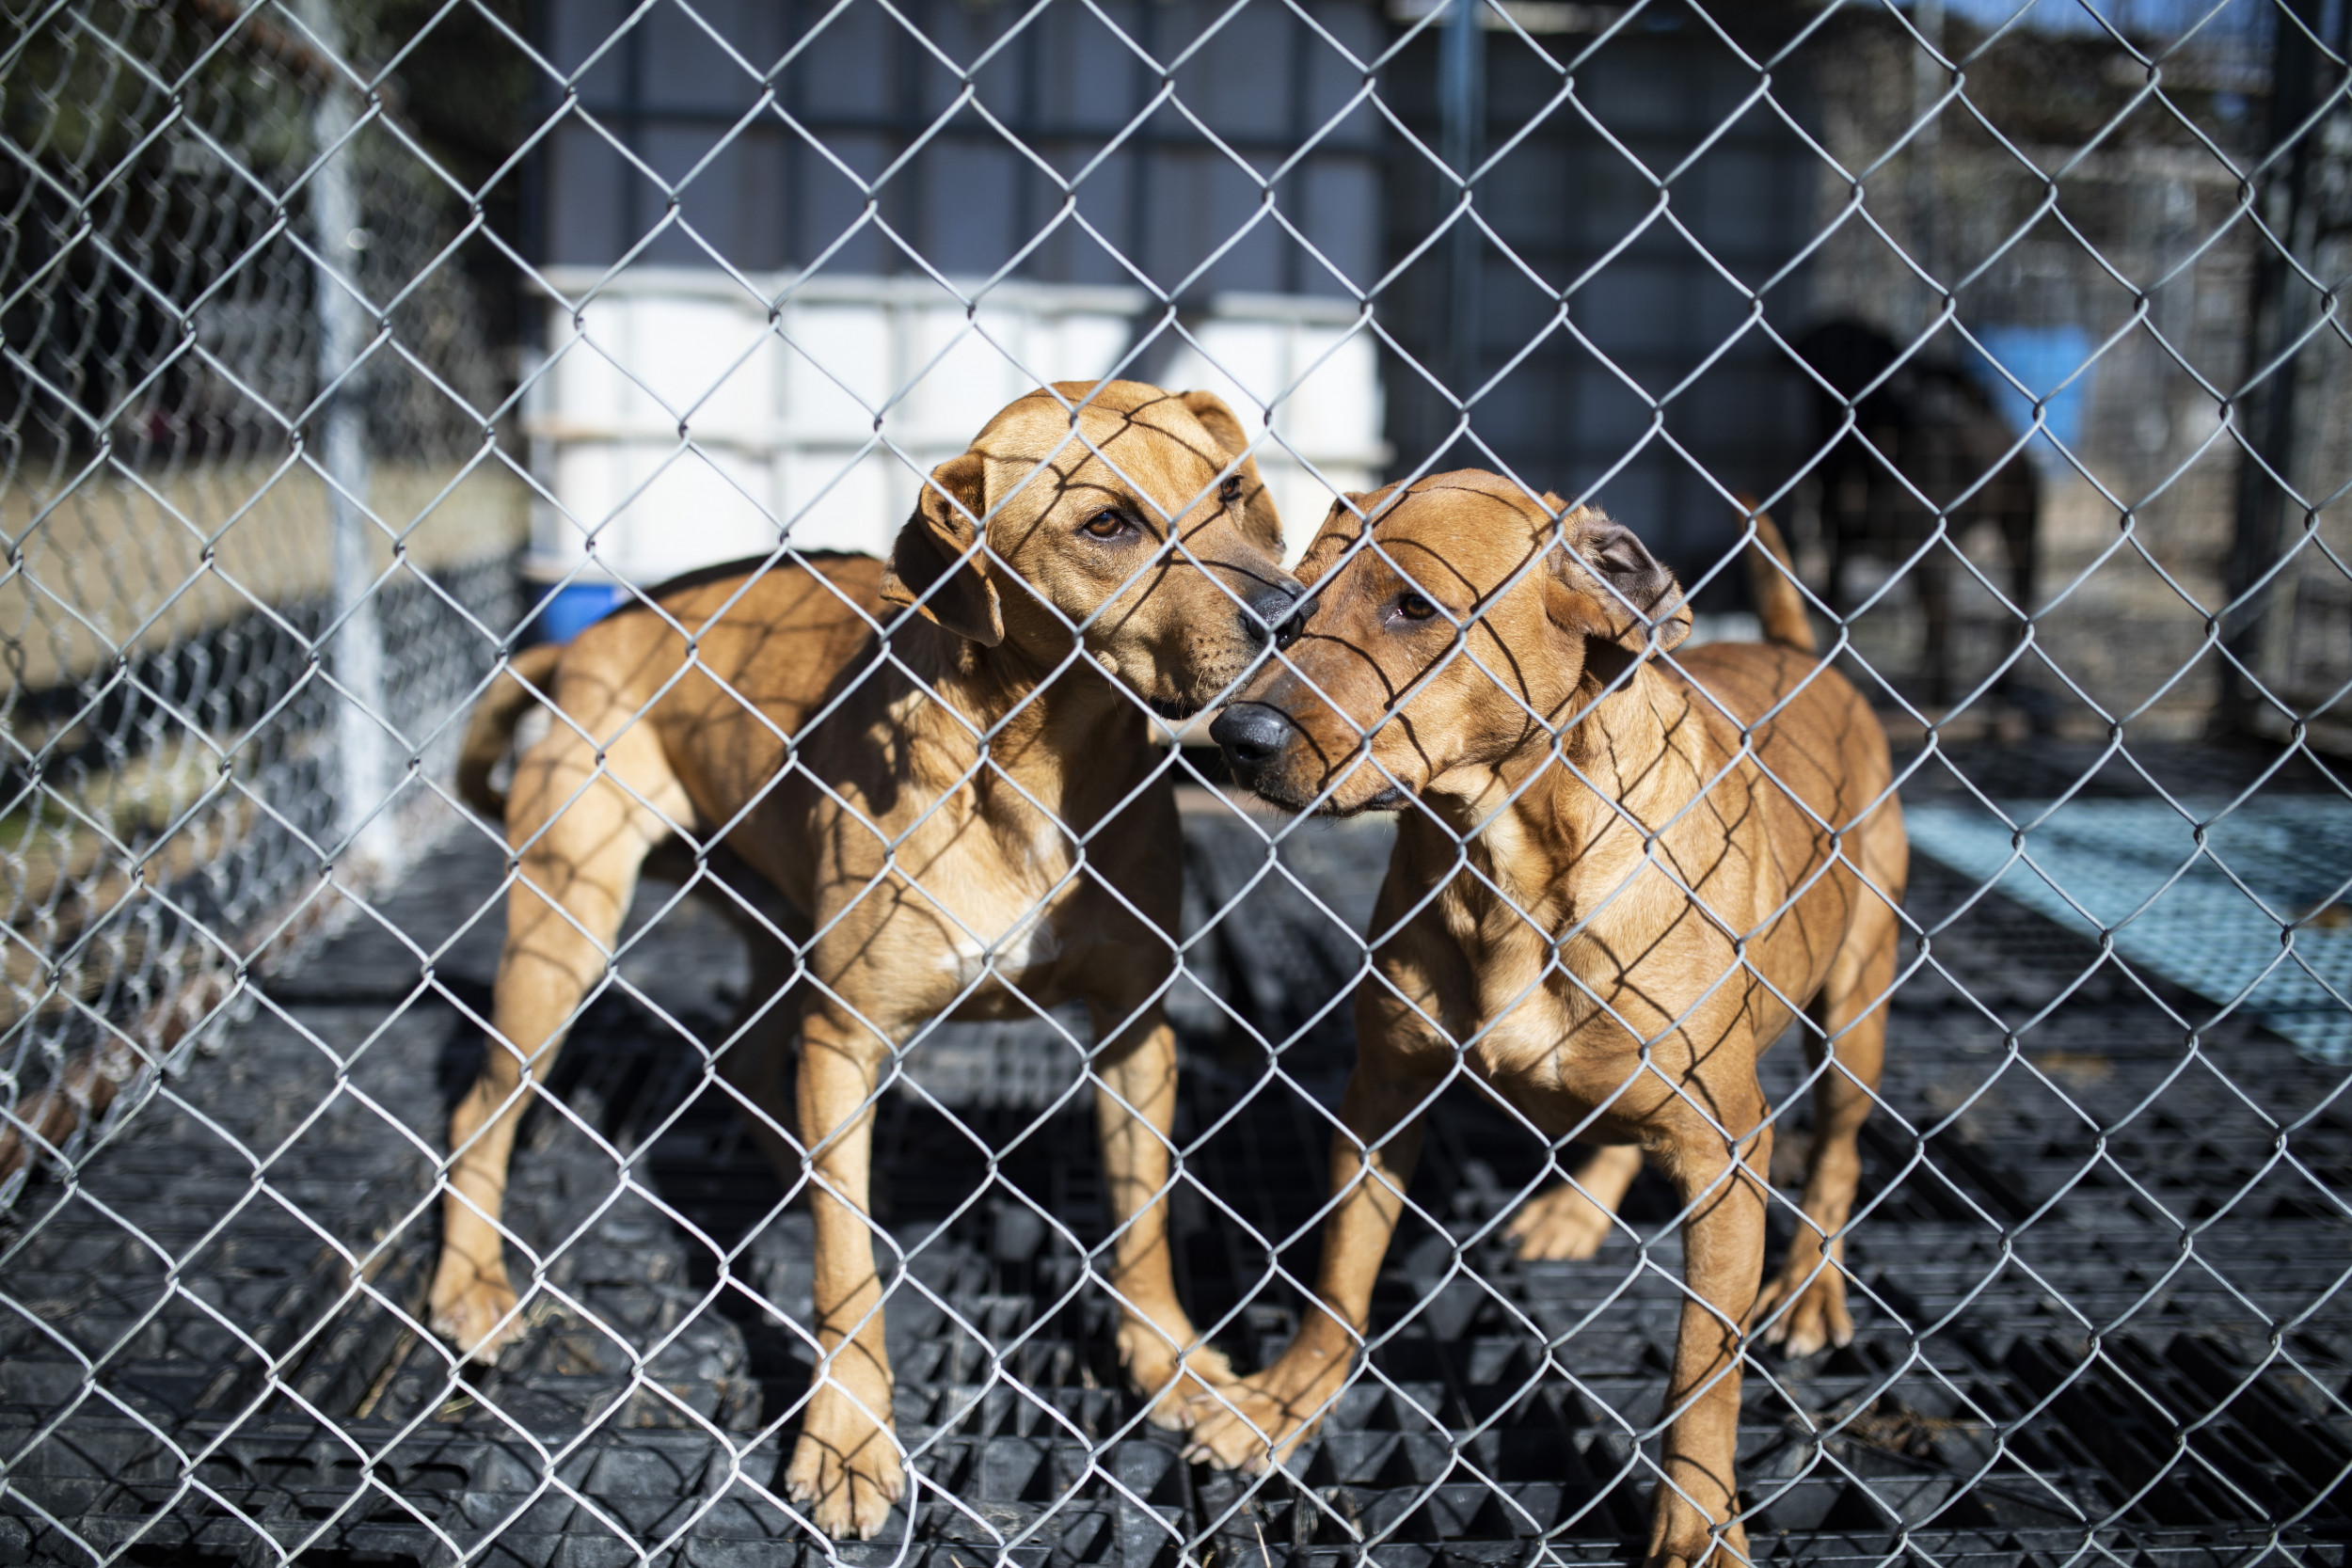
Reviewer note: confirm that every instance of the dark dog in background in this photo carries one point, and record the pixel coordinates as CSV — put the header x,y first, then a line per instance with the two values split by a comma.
x,y
1923,429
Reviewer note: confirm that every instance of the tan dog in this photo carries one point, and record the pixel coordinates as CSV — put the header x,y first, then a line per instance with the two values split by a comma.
x,y
1600,902
920,806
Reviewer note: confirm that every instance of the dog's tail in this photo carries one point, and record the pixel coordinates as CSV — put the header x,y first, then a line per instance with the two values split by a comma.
x,y
492,727
1772,580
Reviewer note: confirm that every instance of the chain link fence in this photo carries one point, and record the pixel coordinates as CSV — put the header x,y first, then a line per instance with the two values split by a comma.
x,y
991,1115
248,516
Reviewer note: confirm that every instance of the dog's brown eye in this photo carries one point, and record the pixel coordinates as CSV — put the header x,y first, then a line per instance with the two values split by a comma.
x,y
1414,608
1105,525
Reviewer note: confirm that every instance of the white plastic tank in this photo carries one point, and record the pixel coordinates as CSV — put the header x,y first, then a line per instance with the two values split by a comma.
x,y
678,421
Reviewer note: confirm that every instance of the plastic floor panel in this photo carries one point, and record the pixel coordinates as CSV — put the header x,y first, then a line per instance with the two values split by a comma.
x,y
2081,1236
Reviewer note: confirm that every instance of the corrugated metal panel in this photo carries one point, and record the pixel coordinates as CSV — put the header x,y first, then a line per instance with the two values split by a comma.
x,y
788,107
1644,199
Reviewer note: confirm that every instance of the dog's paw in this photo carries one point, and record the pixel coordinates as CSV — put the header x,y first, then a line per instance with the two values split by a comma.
x,y
1724,1556
1682,1537
1254,1423
846,1470
1171,1383
1559,1224
473,1310
1816,1318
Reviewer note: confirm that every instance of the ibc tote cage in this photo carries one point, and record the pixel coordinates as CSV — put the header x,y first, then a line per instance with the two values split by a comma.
x,y
281,420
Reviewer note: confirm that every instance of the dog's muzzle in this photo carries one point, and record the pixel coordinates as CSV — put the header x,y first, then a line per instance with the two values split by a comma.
x,y
1252,734
1273,615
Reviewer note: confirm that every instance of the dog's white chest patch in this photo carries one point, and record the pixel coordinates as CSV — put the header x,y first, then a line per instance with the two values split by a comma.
x,y
1029,946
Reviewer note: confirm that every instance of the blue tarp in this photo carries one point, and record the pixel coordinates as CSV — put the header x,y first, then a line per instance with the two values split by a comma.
x,y
2211,919
2042,358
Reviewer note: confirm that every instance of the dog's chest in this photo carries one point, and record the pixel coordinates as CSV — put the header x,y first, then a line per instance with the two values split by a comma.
x,y
1002,911
1531,1017
1018,952
1565,988
1512,1018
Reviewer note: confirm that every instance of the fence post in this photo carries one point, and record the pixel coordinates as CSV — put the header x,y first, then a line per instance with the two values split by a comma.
x,y
361,770
1461,113
2252,624
1928,80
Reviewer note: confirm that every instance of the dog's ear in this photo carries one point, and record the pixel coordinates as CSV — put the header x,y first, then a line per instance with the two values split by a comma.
x,y
1609,587
1350,515
938,541
1256,502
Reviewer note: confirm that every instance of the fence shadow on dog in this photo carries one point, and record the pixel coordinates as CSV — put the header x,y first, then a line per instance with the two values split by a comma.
x,y
1079,988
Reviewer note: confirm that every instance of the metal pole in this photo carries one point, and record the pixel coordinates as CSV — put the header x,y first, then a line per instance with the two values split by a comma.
x,y
362,750
1461,114
1930,81
2265,414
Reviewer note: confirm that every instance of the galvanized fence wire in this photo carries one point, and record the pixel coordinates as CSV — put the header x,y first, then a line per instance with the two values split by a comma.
x,y
274,440
174,790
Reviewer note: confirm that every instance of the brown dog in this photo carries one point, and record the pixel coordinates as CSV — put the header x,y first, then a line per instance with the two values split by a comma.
x,y
919,801
1602,901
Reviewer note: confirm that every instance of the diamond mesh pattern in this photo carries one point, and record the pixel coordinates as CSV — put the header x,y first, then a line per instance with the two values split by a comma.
x,y
349,347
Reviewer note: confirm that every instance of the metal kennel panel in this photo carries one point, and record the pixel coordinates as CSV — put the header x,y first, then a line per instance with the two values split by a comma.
x,y
294,296
1594,297
1171,160
257,527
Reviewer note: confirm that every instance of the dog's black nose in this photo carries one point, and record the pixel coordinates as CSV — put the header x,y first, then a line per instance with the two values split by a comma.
x,y
1250,735
1272,615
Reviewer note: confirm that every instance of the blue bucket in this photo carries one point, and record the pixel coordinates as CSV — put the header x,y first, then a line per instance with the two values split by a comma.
x,y
2043,358
567,611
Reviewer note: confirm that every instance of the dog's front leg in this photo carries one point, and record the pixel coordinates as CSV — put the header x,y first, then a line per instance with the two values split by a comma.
x,y
1722,1247
847,1469
1572,1219
1135,1108
1804,1309
1260,1419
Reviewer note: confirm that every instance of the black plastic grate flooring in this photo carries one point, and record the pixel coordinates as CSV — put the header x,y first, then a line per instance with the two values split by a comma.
x,y
2099,1283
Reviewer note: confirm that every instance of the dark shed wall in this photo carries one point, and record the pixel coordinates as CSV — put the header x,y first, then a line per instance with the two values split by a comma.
x,y
778,187
1578,411
782,186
